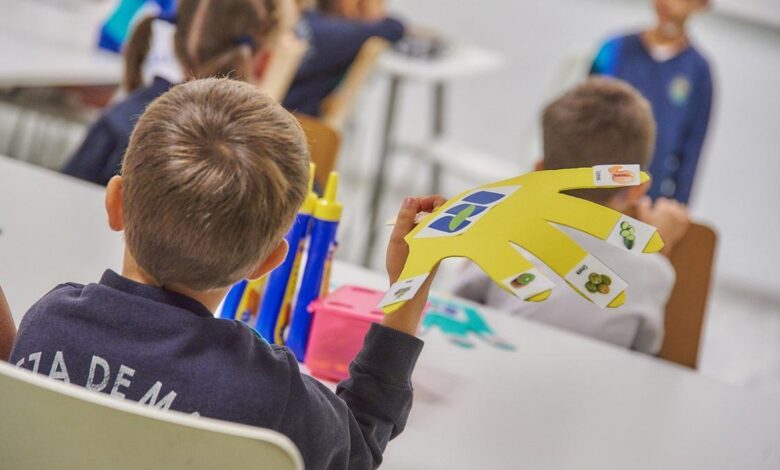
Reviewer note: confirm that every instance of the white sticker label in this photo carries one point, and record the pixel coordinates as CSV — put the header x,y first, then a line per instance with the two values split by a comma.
x,y
631,234
464,213
402,291
616,175
528,283
596,281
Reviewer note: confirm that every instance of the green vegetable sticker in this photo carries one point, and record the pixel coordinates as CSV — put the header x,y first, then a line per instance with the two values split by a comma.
x,y
628,232
523,280
461,216
598,283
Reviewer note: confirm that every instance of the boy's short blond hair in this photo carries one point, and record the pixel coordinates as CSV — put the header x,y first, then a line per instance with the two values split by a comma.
x,y
599,122
214,174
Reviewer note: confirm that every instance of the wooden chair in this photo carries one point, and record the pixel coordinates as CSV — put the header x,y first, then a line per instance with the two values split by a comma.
x,y
50,424
339,105
285,59
692,258
324,142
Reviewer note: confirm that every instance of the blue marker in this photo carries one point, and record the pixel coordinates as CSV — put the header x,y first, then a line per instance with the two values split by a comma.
x,y
327,214
275,307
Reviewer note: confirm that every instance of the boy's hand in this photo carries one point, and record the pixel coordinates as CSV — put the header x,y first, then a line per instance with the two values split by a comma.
x,y
668,216
407,318
397,249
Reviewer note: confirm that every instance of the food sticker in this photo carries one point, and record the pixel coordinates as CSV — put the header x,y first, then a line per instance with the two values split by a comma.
x,y
631,234
596,281
616,175
465,212
528,284
403,291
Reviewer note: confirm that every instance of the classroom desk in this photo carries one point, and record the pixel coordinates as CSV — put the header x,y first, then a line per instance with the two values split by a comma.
x,y
49,45
557,402
457,61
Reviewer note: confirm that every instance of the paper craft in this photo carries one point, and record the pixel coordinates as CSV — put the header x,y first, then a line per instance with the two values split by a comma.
x,y
490,223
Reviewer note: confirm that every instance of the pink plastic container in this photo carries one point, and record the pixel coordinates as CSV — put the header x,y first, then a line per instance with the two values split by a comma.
x,y
341,321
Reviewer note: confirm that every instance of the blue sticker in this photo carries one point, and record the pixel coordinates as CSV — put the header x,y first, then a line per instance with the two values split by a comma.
x,y
484,197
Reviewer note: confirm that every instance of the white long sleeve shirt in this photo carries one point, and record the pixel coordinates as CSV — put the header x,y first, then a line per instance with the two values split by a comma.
x,y
638,324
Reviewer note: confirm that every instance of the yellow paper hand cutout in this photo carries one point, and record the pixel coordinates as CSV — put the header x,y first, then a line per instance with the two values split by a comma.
x,y
491,223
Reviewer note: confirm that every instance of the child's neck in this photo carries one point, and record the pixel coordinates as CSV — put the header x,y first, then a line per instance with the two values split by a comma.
x,y
665,34
210,299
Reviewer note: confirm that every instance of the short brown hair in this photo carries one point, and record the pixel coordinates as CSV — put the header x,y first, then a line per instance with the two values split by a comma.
x,y
212,179
599,122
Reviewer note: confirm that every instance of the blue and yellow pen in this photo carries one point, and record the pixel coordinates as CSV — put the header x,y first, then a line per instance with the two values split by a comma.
x,y
327,214
275,307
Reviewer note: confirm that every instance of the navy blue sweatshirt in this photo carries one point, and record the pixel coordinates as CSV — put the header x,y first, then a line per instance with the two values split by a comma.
x,y
680,91
100,155
166,350
334,42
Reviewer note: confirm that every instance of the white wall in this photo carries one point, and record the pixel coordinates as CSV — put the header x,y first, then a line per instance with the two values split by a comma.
x,y
737,191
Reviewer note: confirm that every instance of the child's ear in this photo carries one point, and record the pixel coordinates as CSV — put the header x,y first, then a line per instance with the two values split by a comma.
x,y
260,63
273,260
114,204
539,166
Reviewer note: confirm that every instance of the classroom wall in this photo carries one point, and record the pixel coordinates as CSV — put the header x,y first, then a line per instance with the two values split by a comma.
x,y
737,188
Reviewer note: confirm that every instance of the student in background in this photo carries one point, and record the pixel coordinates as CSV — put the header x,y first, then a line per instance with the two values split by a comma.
x,y
214,175
335,31
663,64
211,37
7,328
602,121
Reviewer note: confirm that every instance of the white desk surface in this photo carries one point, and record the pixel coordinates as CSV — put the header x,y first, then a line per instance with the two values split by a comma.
x,y
54,44
557,402
458,60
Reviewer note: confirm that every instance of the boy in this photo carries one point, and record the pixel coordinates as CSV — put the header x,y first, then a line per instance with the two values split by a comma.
x,y
671,73
335,31
213,177
601,121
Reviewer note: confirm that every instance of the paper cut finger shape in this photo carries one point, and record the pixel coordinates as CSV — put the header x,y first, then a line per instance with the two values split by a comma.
x,y
489,223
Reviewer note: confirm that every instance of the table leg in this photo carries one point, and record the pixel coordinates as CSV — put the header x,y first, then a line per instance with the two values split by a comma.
x,y
379,178
439,95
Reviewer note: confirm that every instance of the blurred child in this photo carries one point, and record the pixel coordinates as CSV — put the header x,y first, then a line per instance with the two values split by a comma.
x,y
211,37
7,328
669,71
214,175
602,121
335,31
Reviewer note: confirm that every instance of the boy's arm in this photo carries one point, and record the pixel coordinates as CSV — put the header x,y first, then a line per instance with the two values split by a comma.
x,y
691,151
92,156
7,328
650,304
606,60
353,429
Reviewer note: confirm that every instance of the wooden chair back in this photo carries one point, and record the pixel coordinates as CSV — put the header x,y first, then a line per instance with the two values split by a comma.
x,y
693,259
339,105
324,143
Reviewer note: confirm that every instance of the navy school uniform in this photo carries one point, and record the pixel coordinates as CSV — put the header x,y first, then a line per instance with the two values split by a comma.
x,y
100,155
166,350
680,91
334,42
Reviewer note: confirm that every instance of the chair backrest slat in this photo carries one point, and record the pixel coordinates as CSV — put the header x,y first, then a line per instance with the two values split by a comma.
x,y
49,424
